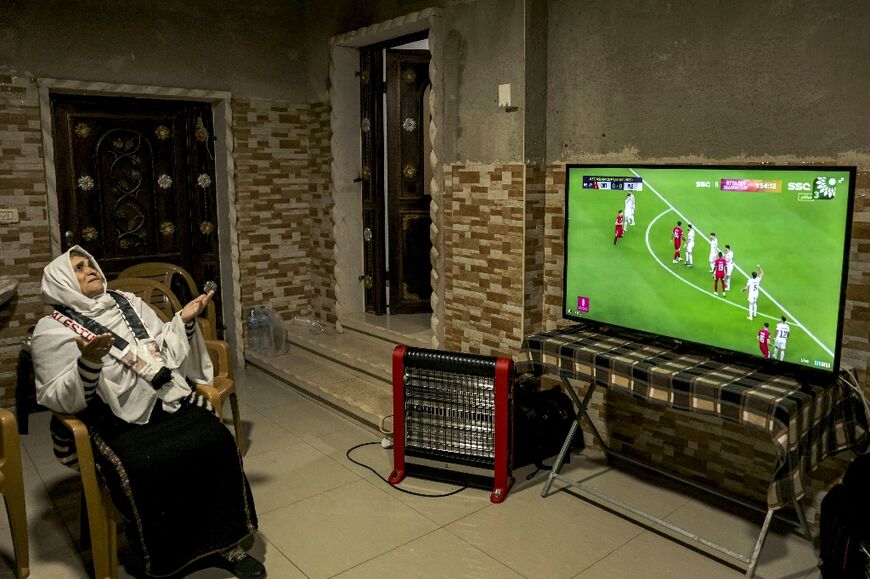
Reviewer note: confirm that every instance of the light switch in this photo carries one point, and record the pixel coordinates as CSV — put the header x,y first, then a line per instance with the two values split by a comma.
x,y
504,95
8,215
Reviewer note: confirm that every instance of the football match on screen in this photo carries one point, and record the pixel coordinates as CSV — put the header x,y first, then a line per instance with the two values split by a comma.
x,y
746,259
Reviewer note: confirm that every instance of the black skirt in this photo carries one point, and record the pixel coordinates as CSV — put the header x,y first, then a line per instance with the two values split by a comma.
x,y
178,482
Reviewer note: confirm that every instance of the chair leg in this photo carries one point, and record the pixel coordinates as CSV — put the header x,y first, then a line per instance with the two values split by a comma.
x,y
237,423
102,542
13,495
111,532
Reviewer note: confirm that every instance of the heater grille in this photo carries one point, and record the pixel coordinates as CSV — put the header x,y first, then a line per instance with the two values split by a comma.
x,y
451,417
450,413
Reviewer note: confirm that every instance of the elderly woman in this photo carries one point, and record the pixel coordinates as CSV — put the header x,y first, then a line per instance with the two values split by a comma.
x,y
172,468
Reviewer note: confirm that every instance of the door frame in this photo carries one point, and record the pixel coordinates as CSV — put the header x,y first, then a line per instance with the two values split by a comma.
x,y
345,149
228,242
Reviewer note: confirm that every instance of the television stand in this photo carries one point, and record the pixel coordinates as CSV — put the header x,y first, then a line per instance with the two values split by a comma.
x,y
694,383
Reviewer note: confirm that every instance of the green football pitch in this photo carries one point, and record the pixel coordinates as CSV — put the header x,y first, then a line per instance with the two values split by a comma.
x,y
634,283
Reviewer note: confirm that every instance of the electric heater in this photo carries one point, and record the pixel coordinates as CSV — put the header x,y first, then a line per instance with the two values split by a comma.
x,y
451,418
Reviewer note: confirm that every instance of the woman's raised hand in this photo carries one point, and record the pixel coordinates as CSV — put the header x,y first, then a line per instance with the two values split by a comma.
x,y
195,307
94,350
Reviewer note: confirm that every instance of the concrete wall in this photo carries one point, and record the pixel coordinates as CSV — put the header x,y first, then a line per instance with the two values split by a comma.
x,y
483,48
327,18
248,48
708,79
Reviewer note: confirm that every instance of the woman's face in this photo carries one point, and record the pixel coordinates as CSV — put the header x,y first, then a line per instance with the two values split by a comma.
x,y
89,279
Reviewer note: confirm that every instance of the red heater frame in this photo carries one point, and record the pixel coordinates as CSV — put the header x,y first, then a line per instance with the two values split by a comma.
x,y
429,463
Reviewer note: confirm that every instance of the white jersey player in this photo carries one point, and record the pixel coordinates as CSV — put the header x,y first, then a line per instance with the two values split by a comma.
x,y
781,336
729,266
714,250
753,286
690,245
629,209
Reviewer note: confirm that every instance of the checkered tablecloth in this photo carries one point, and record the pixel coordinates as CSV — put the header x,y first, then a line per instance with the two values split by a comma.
x,y
806,422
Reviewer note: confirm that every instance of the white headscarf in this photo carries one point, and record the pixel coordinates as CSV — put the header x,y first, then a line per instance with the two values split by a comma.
x,y
131,398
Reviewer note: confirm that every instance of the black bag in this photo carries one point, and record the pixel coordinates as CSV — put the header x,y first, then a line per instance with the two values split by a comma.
x,y
844,524
542,419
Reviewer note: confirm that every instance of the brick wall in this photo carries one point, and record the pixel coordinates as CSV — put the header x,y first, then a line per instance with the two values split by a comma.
x,y
554,245
322,202
274,205
483,258
856,325
24,246
535,222
284,207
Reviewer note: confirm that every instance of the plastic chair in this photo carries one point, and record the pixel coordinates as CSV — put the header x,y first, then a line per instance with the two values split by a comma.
x,y
101,513
161,299
223,387
12,488
179,282
164,302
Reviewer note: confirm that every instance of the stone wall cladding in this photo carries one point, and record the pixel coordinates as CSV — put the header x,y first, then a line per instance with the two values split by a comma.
x,y
322,236
535,244
735,458
483,258
25,247
275,204
856,323
554,246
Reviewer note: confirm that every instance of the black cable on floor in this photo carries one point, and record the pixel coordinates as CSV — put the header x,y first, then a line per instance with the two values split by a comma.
x,y
347,454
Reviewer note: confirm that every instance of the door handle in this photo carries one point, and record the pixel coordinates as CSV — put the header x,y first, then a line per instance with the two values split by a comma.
x,y
368,280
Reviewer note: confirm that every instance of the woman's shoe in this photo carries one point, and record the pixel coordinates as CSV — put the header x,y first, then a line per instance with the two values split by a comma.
x,y
243,565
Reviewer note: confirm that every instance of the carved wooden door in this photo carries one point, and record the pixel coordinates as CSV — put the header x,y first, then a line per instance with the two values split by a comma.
x,y
408,196
372,179
136,183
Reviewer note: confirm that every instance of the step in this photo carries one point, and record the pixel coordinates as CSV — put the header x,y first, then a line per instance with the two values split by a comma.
x,y
357,394
351,370
395,329
363,353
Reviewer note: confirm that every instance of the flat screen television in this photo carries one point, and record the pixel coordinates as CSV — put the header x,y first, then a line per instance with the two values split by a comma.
x,y
629,231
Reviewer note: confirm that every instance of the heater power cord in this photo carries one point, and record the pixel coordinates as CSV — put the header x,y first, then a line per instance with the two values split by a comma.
x,y
416,494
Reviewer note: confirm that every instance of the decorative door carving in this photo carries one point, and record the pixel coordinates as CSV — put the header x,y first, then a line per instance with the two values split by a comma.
x,y
408,196
372,179
135,183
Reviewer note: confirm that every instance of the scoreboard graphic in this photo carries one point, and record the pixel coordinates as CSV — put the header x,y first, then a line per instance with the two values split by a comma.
x,y
613,183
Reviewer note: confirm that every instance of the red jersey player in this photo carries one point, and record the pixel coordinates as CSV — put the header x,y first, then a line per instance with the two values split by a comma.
x,y
678,240
619,226
764,340
720,266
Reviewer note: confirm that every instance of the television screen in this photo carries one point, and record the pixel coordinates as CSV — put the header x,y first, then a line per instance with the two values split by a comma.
x,y
749,259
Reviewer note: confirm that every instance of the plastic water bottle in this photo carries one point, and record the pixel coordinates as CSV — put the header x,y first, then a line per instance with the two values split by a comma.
x,y
255,330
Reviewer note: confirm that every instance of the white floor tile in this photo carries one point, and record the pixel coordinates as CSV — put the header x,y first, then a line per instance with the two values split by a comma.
x,y
298,471
654,557
557,536
335,531
437,555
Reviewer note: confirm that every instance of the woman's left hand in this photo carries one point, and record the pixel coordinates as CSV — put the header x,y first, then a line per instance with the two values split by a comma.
x,y
195,307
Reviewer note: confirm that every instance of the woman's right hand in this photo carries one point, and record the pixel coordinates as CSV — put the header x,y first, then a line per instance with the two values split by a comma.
x,y
94,350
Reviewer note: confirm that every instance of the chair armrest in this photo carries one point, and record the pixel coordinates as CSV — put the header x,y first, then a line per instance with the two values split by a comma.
x,y
9,437
206,328
82,439
219,352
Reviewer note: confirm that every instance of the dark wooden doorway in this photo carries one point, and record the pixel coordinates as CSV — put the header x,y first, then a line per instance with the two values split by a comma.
x,y
408,196
395,193
136,183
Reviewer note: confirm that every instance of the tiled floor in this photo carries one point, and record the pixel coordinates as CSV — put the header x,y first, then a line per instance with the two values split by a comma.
x,y
323,516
